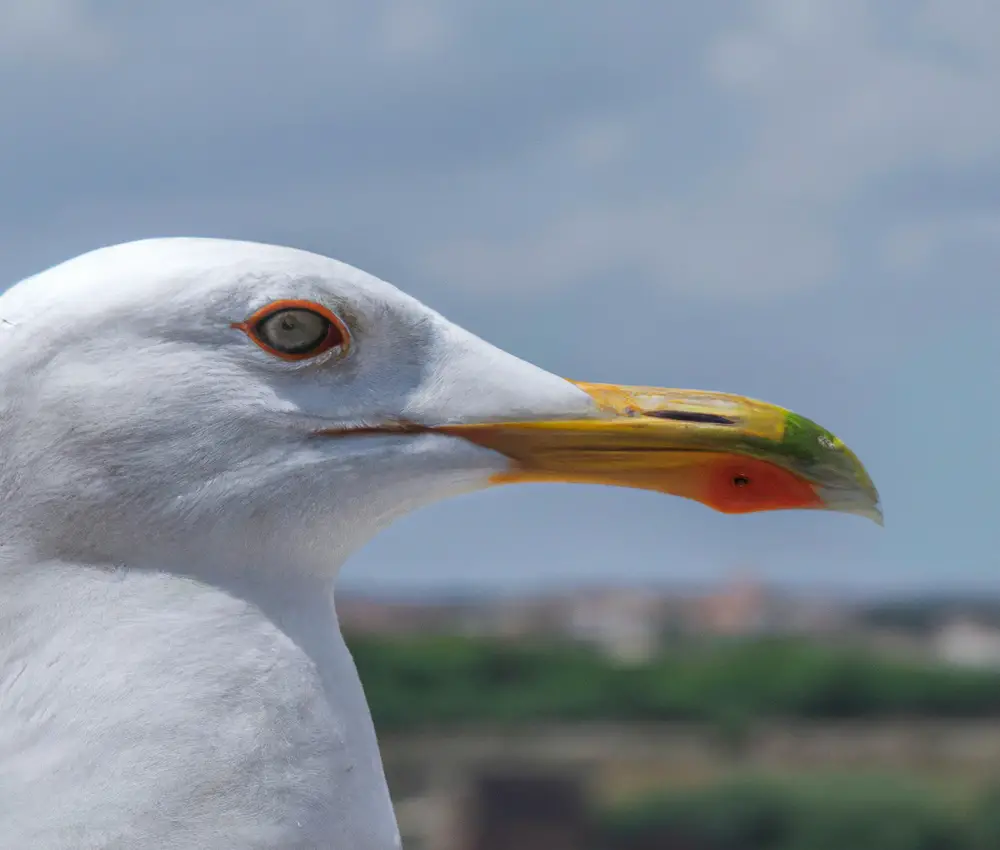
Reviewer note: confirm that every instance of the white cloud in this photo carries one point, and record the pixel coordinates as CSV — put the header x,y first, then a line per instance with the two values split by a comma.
x,y
680,248
837,106
911,247
835,102
840,109
420,118
60,31
411,29
599,142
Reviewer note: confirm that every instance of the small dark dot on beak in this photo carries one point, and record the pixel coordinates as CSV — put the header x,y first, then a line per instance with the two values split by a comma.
x,y
740,481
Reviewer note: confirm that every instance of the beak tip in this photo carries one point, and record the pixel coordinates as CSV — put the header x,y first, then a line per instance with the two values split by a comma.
x,y
872,512
860,501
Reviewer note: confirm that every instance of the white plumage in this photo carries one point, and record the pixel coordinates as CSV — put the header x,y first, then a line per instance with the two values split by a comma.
x,y
172,671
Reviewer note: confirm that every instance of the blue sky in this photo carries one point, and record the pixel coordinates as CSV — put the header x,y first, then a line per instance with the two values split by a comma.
x,y
792,199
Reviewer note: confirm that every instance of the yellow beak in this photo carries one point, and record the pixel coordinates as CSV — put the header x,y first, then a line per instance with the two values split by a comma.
x,y
731,453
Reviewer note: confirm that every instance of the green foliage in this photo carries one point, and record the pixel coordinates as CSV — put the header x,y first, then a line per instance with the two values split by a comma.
x,y
441,681
986,823
819,814
438,681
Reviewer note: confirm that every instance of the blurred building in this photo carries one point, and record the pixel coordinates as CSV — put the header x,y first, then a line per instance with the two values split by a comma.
x,y
966,642
739,608
623,623
363,615
627,623
633,623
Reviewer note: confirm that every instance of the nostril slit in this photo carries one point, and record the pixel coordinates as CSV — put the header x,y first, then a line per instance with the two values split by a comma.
x,y
691,416
740,481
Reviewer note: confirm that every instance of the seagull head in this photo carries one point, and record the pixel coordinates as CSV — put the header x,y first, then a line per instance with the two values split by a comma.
x,y
191,401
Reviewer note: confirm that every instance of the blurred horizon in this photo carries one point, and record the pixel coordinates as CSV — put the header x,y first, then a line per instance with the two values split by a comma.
x,y
804,588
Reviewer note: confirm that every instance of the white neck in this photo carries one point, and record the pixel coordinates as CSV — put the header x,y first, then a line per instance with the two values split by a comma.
x,y
171,712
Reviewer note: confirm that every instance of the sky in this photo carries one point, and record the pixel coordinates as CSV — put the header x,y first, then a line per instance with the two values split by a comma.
x,y
797,200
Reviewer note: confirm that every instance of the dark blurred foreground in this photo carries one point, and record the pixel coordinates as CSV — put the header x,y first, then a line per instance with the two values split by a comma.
x,y
807,787
762,814
863,737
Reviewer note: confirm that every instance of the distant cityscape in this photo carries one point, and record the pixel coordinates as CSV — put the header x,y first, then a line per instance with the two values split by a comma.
x,y
465,788
632,623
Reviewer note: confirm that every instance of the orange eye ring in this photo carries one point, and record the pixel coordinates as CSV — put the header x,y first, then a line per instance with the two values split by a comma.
x,y
330,331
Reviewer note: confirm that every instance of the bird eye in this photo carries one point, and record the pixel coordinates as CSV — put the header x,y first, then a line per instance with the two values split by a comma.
x,y
295,330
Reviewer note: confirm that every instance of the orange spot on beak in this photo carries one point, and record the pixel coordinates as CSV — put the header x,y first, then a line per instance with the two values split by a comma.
x,y
737,485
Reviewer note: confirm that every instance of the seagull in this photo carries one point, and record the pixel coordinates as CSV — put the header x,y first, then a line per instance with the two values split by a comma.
x,y
195,434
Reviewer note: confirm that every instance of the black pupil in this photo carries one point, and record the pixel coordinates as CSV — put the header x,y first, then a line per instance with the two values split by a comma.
x,y
740,480
294,331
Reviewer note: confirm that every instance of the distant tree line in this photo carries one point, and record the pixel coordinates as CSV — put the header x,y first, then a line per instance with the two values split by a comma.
x,y
838,813
923,616
438,681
